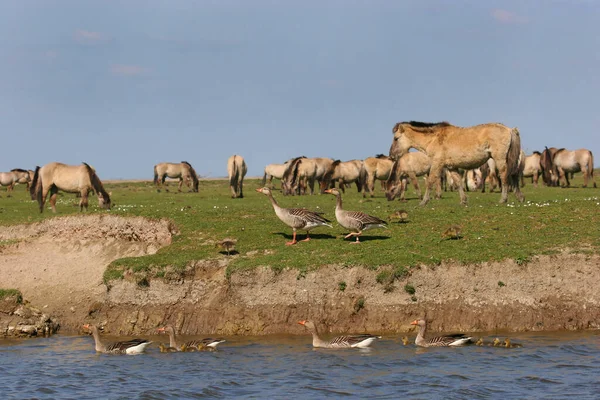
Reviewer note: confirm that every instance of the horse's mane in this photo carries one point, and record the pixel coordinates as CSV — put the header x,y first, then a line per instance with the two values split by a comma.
x,y
537,152
327,175
381,156
290,169
18,170
418,124
193,174
97,184
394,173
33,187
558,151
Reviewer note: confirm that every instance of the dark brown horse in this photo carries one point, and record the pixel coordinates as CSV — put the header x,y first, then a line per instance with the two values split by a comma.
x,y
457,148
80,179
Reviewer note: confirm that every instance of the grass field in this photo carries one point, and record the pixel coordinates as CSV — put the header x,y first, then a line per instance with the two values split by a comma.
x,y
549,221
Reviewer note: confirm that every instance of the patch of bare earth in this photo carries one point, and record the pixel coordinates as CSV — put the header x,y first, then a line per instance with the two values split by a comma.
x,y
58,264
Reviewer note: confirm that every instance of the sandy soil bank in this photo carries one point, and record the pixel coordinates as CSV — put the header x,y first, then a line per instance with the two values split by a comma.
x,y
58,266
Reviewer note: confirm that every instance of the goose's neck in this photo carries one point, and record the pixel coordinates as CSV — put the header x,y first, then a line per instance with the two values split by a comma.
x,y
317,341
273,201
96,335
338,201
421,334
172,341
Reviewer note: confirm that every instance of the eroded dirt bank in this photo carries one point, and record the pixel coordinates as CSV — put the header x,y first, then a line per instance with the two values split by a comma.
x,y
58,264
62,273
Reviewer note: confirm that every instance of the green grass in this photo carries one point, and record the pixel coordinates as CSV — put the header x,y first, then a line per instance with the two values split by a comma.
x,y
551,220
4,293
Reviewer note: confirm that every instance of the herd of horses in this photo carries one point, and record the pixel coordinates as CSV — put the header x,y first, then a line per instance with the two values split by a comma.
x,y
461,157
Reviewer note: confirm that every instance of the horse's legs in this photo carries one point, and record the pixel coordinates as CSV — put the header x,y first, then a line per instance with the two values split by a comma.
x,y
233,191
241,187
503,175
456,177
53,194
434,175
415,182
84,200
180,184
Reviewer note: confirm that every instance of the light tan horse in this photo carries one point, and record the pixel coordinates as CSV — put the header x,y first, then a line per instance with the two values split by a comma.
x,y
344,173
13,177
532,168
80,179
456,147
378,167
236,169
182,171
411,165
304,172
571,161
274,171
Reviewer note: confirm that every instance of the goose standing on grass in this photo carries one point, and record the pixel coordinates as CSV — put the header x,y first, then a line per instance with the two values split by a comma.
x,y
355,221
457,339
200,344
133,346
346,341
296,218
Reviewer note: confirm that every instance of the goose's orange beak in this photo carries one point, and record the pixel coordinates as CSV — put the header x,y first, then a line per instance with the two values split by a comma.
x,y
415,322
302,322
161,329
328,191
258,190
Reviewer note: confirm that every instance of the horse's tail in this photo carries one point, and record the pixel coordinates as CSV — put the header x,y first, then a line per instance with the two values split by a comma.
x,y
363,177
591,167
194,176
514,153
264,180
97,185
33,188
234,173
155,175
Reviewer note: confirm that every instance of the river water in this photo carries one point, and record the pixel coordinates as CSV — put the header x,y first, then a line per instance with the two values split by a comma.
x,y
549,365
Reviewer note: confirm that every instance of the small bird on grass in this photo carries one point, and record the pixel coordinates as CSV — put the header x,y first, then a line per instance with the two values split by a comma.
x,y
400,215
453,232
227,244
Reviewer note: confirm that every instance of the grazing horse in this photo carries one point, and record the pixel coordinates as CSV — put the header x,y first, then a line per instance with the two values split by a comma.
x,y
182,171
564,161
14,176
80,179
548,170
456,147
236,169
411,165
532,168
378,167
343,172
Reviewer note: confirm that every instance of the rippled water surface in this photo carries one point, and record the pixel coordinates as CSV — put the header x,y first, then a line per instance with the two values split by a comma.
x,y
550,366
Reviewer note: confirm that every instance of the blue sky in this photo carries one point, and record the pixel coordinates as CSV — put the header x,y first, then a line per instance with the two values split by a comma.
x,y
124,85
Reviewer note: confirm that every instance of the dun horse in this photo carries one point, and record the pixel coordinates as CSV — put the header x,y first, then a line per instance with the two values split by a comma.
x,y
532,168
378,167
410,165
456,147
80,179
182,171
236,169
563,162
343,172
14,176
274,171
304,172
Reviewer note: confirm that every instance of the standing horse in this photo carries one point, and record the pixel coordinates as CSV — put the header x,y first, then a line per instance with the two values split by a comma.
x,y
411,165
236,169
343,172
532,168
570,161
378,167
182,171
80,179
274,171
456,147
548,171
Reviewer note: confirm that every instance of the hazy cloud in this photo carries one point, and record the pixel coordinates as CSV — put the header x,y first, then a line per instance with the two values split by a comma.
x,y
88,37
127,70
507,17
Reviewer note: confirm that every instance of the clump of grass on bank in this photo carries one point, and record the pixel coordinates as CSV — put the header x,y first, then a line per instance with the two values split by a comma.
x,y
551,220
6,293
